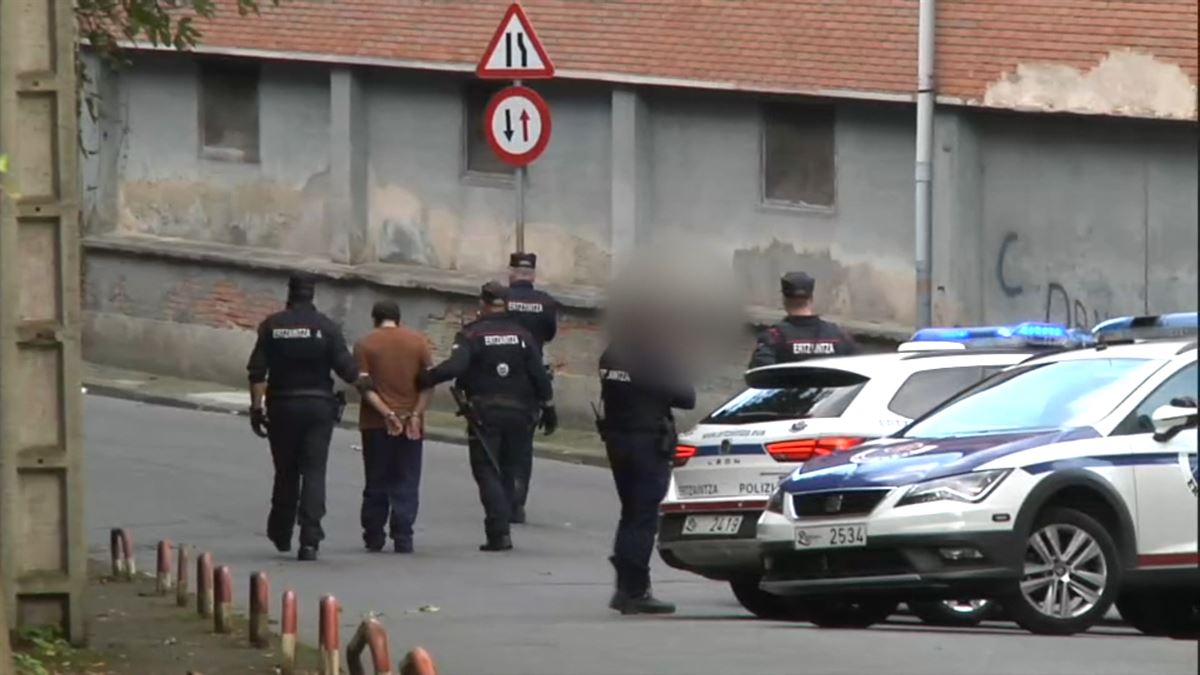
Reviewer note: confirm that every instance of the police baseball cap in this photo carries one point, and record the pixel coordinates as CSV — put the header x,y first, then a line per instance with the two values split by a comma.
x,y
302,282
493,293
526,260
797,285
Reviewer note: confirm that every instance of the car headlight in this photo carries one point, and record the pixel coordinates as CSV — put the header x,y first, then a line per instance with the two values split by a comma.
x,y
775,503
965,487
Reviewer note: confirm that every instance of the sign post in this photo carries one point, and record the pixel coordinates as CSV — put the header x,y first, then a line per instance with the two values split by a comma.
x,y
517,120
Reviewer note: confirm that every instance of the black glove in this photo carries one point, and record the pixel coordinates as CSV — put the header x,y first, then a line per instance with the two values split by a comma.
x,y
549,420
258,422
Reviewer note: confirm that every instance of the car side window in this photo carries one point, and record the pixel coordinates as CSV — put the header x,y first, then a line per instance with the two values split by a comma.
x,y
926,389
1182,384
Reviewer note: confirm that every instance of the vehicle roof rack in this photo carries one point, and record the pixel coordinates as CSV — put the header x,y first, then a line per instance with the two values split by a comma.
x,y
909,356
1124,329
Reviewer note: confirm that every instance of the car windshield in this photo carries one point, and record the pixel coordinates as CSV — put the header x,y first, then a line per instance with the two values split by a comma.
x,y
1055,395
765,405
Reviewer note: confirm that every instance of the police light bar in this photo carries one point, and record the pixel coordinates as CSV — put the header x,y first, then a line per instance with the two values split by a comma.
x,y
1021,335
1160,326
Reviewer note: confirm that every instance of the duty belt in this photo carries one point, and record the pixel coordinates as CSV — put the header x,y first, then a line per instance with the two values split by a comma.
x,y
299,393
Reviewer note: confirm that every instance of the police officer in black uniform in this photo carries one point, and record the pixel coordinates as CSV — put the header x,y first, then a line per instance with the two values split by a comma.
x,y
289,368
498,366
638,387
537,311
802,334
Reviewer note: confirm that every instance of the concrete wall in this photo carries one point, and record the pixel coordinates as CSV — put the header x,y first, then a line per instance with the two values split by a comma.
x,y
1083,222
363,179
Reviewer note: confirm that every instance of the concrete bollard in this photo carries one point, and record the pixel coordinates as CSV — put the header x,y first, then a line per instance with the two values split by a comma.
x,y
331,660
181,577
370,634
260,609
164,583
289,621
204,589
418,662
223,590
123,564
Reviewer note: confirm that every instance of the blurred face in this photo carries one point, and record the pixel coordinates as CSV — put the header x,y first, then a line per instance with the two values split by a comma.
x,y
520,274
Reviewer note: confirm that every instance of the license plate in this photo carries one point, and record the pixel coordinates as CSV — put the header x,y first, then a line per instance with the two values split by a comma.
x,y
831,536
701,525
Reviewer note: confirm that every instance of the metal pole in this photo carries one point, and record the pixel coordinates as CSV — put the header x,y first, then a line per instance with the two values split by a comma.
x,y
519,176
927,16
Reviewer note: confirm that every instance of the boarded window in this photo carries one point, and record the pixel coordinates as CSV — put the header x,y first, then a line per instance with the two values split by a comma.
x,y
798,148
229,110
481,159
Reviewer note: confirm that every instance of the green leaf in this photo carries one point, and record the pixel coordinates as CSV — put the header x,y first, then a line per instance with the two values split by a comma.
x,y
3,163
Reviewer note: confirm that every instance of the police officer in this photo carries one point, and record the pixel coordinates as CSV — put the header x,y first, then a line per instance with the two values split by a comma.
x,y
638,388
289,368
537,311
802,334
498,366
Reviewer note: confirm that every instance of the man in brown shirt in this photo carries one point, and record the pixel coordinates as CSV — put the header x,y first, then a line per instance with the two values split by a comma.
x,y
392,425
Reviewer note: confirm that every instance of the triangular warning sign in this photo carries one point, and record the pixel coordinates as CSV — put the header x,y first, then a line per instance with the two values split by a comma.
x,y
515,52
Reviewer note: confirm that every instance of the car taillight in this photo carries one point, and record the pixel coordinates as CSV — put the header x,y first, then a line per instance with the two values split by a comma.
x,y
805,449
683,453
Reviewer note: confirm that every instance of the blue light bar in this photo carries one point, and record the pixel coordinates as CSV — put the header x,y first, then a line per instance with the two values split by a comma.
x,y
1020,335
1161,326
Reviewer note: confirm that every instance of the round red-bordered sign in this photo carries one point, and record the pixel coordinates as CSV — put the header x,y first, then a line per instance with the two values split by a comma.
x,y
517,125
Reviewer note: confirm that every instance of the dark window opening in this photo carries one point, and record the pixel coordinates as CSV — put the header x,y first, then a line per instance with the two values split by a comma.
x,y
798,154
922,391
229,110
481,159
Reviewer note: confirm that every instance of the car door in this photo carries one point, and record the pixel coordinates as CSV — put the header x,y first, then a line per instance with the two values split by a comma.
x,y
1164,478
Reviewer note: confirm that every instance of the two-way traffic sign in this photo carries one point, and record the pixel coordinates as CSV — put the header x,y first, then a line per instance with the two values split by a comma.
x,y
518,125
515,52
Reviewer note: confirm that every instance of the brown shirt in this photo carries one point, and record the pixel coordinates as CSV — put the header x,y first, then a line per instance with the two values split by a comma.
x,y
393,357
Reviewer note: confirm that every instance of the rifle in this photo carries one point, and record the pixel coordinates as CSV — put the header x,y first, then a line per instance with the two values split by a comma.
x,y
467,412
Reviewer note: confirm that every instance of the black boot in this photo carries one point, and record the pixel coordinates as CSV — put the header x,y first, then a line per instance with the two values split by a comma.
x,y
282,545
307,553
518,515
645,603
499,543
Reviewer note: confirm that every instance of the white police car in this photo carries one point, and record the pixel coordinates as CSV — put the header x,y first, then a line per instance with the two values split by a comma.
x,y
728,465
1059,486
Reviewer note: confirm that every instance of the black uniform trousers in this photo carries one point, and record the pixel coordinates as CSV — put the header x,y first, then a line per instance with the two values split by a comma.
x,y
508,433
300,431
642,473
392,465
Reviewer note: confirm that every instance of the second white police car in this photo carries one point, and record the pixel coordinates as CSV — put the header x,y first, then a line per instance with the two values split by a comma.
x,y
729,464
1060,486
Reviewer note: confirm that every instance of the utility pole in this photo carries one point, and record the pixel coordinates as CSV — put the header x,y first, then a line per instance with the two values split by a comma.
x,y
926,90
43,564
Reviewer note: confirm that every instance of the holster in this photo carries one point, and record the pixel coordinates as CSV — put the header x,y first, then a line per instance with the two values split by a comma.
x,y
669,439
340,399
602,428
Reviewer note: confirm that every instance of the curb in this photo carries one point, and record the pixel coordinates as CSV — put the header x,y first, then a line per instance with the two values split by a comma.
x,y
560,453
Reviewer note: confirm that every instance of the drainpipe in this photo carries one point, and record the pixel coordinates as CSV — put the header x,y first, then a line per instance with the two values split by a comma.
x,y
927,16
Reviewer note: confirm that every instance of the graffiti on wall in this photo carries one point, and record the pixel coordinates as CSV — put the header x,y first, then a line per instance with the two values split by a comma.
x,y
1060,306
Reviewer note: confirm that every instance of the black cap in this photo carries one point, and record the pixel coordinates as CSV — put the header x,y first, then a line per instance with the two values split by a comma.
x,y
526,260
797,285
302,284
493,293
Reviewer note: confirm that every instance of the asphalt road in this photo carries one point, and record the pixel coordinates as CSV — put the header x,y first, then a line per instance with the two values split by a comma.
x,y
203,478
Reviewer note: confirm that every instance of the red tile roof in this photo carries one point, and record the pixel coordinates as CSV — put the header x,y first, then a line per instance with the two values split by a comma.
x,y
848,47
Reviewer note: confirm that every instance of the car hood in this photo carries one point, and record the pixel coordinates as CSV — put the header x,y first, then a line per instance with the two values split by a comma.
x,y
892,462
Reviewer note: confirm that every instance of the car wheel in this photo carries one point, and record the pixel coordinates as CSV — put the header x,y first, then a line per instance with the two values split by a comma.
x,y
1161,612
849,613
952,612
765,605
1070,577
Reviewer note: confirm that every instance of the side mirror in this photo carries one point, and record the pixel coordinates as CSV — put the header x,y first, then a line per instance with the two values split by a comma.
x,y
1170,419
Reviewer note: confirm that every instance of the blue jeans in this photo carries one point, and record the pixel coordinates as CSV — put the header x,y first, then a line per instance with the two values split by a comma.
x,y
392,465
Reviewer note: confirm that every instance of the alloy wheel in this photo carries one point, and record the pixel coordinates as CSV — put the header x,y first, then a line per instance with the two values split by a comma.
x,y
1065,571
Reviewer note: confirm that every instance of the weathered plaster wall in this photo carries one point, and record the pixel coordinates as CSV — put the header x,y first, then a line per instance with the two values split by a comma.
x,y
1084,221
168,188
425,209
707,188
